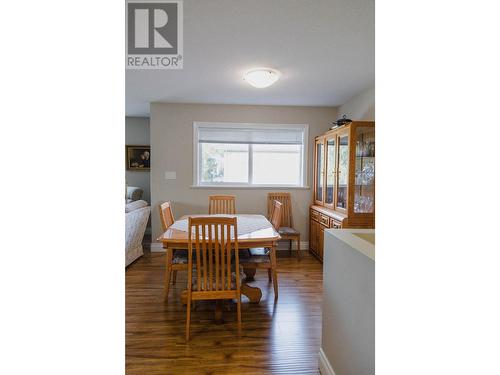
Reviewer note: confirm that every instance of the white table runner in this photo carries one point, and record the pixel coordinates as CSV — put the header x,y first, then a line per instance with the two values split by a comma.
x,y
246,224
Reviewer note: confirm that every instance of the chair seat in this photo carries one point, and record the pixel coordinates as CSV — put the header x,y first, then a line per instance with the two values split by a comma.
x,y
288,231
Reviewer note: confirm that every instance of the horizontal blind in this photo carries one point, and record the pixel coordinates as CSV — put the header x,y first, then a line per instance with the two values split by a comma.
x,y
285,136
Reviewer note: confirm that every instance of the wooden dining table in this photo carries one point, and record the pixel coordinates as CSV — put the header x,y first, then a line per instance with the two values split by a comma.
x,y
267,237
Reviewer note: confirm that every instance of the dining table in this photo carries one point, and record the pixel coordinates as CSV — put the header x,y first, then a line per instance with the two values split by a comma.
x,y
254,231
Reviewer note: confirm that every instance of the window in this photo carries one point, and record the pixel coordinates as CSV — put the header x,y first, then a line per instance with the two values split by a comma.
x,y
229,154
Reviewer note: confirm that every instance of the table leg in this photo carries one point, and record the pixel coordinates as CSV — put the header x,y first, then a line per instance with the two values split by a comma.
x,y
168,271
249,273
218,311
274,271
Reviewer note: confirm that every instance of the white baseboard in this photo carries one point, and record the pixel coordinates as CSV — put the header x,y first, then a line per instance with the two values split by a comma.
x,y
324,365
157,247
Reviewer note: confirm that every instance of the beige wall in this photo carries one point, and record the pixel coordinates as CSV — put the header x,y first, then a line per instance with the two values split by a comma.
x,y
360,107
172,150
137,133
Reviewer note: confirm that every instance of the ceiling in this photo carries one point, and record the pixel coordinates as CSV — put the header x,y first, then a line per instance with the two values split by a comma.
x,y
324,49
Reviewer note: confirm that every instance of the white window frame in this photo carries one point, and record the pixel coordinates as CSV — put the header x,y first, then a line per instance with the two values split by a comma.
x,y
197,162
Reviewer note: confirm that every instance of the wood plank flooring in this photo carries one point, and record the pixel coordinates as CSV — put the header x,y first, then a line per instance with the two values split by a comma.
x,y
281,338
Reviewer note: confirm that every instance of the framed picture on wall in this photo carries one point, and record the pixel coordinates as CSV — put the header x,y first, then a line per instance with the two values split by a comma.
x,y
138,158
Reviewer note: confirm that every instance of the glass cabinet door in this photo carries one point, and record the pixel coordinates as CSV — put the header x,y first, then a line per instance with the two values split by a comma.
x,y
364,187
330,170
319,170
342,171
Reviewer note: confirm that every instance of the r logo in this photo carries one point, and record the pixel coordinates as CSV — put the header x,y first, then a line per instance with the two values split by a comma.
x,y
152,28
154,34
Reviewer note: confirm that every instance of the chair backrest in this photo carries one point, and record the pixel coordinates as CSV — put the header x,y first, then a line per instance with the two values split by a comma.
x,y
286,211
210,241
166,216
222,204
276,215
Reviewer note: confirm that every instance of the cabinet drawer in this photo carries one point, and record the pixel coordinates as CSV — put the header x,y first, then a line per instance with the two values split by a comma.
x,y
335,224
325,220
315,215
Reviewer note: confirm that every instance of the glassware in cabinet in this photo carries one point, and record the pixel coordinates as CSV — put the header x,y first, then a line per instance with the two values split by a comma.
x,y
364,188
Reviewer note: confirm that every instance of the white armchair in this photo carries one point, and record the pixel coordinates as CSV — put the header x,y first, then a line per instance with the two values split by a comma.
x,y
136,219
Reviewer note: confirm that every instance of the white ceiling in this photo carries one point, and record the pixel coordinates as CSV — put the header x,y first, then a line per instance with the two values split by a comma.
x,y
324,49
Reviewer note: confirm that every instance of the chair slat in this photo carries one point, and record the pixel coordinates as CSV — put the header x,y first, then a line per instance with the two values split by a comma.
x,y
204,257
210,260
198,265
222,257
217,258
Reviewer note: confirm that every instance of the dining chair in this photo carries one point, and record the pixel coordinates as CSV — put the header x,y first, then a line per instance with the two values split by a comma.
x,y
176,259
266,258
222,204
286,230
216,273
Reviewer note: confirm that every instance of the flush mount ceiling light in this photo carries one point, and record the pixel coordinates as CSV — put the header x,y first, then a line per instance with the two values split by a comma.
x,y
261,77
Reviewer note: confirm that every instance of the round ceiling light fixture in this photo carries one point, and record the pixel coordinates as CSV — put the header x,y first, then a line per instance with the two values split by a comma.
x,y
261,77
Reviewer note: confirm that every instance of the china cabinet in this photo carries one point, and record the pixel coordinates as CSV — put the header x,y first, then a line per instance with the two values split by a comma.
x,y
344,181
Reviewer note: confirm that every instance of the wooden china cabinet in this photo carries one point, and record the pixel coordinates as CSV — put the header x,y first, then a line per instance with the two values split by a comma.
x,y
344,181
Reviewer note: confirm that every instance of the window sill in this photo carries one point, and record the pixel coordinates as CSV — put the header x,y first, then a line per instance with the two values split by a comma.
x,y
249,187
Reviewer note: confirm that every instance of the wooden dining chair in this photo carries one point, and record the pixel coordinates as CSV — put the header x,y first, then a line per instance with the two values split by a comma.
x,y
266,258
222,204
286,230
216,275
166,216
276,214
176,259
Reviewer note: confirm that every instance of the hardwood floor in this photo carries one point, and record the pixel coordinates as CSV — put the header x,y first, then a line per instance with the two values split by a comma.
x,y
281,338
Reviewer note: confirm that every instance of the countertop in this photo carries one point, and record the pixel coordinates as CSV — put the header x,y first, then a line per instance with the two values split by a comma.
x,y
362,240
